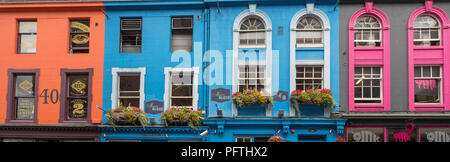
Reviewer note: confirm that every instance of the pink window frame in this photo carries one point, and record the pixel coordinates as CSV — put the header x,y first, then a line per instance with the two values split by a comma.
x,y
439,56
384,131
382,58
420,129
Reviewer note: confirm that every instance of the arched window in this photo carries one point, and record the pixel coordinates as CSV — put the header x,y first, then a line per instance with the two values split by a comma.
x,y
427,31
309,32
367,32
252,33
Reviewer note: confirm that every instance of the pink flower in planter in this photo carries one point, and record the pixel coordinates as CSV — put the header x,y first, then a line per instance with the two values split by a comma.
x,y
249,91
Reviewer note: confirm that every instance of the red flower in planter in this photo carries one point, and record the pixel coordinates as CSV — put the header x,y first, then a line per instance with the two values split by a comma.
x,y
275,139
325,90
340,139
296,92
236,94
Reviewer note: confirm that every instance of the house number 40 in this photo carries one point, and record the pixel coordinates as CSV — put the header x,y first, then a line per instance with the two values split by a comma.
x,y
54,96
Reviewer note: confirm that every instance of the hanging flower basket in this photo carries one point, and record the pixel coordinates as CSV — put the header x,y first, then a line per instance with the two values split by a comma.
x,y
127,116
182,116
252,102
312,102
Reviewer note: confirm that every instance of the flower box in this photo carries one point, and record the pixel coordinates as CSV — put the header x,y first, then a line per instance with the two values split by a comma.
x,y
252,103
313,111
127,116
253,110
312,103
182,116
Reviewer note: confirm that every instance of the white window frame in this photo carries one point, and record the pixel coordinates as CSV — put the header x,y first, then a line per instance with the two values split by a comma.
x,y
252,11
167,87
429,32
115,85
255,78
309,78
255,31
118,88
325,62
361,30
362,87
431,74
299,45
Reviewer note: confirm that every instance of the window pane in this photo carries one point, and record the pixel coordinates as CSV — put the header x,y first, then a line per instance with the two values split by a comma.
x,y
418,71
181,101
181,78
182,34
27,43
130,83
24,86
27,27
181,90
130,101
77,108
426,91
426,71
436,71
79,36
78,85
25,108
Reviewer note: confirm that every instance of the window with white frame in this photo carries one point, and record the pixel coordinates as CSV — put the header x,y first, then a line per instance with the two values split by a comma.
x,y
309,77
244,139
427,84
252,33
182,34
368,85
367,32
427,31
181,89
129,89
251,77
309,32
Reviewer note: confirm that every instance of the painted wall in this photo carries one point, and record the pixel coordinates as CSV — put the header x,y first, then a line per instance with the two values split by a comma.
x,y
52,51
280,14
156,46
398,15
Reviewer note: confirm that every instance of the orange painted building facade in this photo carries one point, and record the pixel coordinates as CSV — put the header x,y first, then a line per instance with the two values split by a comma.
x,y
62,42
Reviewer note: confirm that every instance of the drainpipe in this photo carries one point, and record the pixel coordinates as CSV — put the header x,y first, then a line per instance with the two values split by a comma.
x,y
206,47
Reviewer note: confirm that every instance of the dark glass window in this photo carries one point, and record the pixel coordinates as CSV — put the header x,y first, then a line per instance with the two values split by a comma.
x,y
24,96
77,97
79,36
182,34
130,35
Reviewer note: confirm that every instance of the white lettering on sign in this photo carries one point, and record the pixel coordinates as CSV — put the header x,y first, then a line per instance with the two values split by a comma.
x,y
366,136
438,136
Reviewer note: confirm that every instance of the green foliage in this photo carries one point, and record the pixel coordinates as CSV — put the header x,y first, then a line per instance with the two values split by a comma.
x,y
130,114
191,117
250,97
312,96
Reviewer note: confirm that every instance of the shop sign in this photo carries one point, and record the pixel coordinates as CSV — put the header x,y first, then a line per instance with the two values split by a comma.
x,y
281,96
154,107
365,134
78,108
220,95
406,134
434,134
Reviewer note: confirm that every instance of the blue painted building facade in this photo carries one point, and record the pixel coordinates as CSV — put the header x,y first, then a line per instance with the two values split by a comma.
x,y
279,56
224,53
146,66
